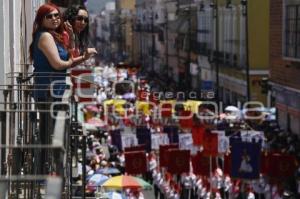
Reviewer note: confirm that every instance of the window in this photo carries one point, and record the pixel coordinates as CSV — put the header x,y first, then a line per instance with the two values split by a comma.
x,y
204,31
63,3
292,31
66,3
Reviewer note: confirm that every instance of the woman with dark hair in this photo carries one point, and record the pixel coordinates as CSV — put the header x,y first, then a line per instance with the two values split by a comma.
x,y
77,25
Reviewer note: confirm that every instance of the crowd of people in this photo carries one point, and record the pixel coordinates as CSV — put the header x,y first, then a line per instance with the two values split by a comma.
x,y
190,185
60,42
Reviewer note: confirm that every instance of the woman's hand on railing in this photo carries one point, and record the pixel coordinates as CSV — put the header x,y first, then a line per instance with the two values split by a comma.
x,y
89,52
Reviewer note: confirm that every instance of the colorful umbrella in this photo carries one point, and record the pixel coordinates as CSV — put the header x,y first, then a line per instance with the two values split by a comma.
x,y
97,122
114,195
95,181
124,182
108,170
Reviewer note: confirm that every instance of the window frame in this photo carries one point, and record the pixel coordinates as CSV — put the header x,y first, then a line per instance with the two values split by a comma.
x,y
285,55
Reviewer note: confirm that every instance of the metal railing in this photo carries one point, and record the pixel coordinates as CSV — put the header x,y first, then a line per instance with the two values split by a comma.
x,y
34,157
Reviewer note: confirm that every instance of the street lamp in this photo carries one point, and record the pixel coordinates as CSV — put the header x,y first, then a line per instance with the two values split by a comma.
x,y
244,4
143,42
214,6
139,28
167,43
190,46
153,41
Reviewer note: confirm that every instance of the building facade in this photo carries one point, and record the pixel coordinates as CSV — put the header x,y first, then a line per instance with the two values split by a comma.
x,y
106,31
124,19
233,44
285,62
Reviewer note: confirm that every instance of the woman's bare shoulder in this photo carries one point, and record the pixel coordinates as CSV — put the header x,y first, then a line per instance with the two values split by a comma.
x,y
46,36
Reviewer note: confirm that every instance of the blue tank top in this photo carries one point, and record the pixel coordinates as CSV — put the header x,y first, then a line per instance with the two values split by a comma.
x,y
45,74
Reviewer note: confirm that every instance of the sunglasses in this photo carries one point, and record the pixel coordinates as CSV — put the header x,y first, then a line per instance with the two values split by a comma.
x,y
50,16
82,18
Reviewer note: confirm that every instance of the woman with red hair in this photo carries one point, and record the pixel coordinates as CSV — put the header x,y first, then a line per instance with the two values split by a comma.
x,y
50,60
48,53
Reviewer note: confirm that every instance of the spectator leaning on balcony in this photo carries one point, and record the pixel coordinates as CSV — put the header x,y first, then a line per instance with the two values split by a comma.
x,y
50,59
48,52
77,26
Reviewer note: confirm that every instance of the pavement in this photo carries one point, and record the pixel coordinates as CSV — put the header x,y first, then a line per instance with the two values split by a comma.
x,y
149,194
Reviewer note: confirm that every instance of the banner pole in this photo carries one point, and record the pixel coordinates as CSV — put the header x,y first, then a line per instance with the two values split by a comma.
x,y
223,168
210,173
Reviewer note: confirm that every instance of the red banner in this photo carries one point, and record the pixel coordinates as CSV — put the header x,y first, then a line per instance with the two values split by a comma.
x,y
227,164
264,163
140,147
166,110
198,135
201,164
135,162
179,162
186,120
163,153
281,165
210,144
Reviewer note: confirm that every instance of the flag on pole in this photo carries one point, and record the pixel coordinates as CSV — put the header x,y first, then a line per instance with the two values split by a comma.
x,y
166,109
227,163
140,147
210,144
179,161
186,119
201,164
163,153
135,162
264,162
198,135
245,160
281,165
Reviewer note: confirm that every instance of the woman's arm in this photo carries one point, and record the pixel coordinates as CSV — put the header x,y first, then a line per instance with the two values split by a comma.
x,y
47,45
86,55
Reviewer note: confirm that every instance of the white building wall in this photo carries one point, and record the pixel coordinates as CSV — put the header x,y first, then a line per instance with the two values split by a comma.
x,y
16,19
4,42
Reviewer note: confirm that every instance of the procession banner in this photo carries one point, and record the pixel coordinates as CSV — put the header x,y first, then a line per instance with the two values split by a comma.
x,y
201,164
281,165
163,155
245,158
198,135
210,144
135,162
179,161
